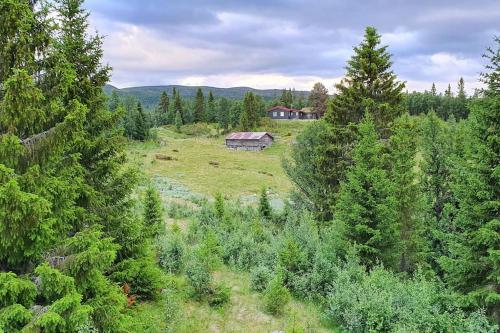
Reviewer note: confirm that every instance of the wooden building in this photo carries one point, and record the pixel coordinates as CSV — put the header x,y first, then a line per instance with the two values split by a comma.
x,y
249,140
284,113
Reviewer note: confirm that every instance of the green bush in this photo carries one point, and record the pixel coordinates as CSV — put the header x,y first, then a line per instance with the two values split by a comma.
x,y
16,290
276,296
199,277
171,250
54,284
13,318
219,295
260,277
142,275
380,301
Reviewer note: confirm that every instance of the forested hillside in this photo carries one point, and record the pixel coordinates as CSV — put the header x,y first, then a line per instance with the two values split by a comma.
x,y
150,96
388,220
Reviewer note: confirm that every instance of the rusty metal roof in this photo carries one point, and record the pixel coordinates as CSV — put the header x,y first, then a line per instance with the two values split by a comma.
x,y
284,108
247,135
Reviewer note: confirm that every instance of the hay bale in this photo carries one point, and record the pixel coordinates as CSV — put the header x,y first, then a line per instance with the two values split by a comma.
x,y
214,163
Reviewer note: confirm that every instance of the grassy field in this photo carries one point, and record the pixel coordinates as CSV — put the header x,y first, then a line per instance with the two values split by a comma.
x,y
198,160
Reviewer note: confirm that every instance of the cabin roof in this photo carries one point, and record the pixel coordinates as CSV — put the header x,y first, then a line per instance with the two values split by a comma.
x,y
284,108
247,135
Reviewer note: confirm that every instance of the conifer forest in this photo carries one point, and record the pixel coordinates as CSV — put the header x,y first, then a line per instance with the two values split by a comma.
x,y
124,211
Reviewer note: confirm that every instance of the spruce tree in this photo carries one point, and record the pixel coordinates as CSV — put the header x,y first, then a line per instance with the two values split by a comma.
x,y
199,107
177,108
473,264
178,121
161,115
408,196
264,206
460,110
249,116
318,98
433,89
153,213
141,127
369,85
366,202
211,113
223,113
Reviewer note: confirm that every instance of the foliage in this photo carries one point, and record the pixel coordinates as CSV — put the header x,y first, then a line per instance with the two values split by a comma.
x,y
318,164
153,213
276,296
16,290
260,277
369,86
380,302
171,251
318,98
219,295
264,206
367,203
142,275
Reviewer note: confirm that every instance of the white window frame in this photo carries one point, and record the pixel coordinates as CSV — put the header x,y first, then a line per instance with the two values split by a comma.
x,y
275,113
282,114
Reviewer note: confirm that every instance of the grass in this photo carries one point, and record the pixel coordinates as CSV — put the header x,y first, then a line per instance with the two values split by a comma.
x,y
244,313
202,163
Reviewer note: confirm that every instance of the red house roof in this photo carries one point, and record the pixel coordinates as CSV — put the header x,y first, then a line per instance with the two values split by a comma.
x,y
247,135
283,108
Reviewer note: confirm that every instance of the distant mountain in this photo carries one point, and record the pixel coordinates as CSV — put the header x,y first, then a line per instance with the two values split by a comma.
x,y
150,95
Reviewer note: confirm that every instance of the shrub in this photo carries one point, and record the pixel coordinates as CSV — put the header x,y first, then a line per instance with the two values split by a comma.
x,y
219,295
199,277
379,301
153,213
54,284
276,296
260,277
14,317
171,252
142,275
15,290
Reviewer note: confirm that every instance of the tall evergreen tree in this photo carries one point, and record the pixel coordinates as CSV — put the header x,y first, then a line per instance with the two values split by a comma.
x,y
141,129
153,213
433,90
409,201
223,113
249,116
473,265
177,108
318,98
199,106
366,202
369,85
211,112
161,114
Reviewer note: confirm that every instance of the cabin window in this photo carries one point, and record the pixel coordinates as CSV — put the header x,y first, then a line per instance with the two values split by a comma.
x,y
282,114
275,113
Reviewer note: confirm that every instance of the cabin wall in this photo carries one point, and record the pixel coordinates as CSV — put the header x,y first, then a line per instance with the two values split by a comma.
x,y
249,144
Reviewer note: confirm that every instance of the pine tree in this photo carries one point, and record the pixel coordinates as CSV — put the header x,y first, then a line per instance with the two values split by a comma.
x,y
199,107
211,113
114,101
366,203
408,195
264,206
161,115
447,92
461,111
153,213
318,98
369,85
473,265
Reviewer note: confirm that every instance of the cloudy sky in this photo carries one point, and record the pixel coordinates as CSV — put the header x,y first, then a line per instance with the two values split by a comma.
x,y
290,43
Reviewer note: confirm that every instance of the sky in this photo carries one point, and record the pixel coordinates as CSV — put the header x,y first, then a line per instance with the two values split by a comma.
x,y
290,43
